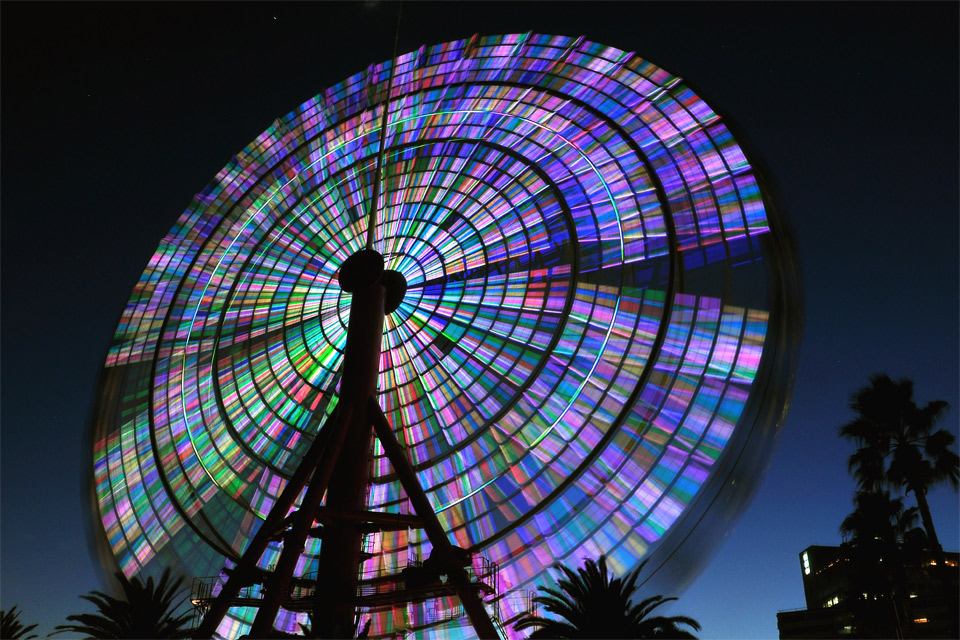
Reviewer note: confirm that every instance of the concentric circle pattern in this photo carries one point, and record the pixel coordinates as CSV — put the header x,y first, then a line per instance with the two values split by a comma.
x,y
587,313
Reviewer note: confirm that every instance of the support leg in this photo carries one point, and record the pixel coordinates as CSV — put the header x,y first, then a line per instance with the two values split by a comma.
x,y
472,603
338,566
279,583
243,571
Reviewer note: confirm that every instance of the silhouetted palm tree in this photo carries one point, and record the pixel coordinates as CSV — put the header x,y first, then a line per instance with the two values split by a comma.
x,y
593,604
878,518
11,627
878,533
897,446
146,611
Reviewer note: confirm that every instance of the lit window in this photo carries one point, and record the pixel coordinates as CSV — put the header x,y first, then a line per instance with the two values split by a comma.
x,y
920,620
913,595
806,564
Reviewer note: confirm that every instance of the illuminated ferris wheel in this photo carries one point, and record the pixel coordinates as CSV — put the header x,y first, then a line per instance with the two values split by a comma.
x,y
571,318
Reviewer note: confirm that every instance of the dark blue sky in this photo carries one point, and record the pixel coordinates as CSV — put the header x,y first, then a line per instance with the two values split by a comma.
x,y
114,115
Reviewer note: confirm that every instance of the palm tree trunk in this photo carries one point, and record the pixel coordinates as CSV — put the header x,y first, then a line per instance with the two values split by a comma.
x,y
941,569
921,496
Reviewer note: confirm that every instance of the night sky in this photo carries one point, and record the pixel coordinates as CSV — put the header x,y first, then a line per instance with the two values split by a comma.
x,y
114,115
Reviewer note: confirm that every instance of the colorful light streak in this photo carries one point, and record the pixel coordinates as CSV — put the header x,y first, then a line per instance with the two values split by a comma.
x,y
558,389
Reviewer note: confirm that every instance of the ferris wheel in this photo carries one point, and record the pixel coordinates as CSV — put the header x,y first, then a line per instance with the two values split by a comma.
x,y
571,314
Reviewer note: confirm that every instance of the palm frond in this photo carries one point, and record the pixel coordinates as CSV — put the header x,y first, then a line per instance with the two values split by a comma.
x,y
590,602
667,627
147,610
11,627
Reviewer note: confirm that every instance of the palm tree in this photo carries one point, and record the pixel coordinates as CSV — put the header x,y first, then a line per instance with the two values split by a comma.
x,y
877,534
897,446
879,519
146,611
11,627
593,604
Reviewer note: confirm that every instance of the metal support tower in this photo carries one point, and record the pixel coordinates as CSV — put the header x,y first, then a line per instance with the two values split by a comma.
x,y
338,464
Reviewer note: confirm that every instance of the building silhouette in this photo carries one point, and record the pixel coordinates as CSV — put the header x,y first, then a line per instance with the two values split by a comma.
x,y
914,597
